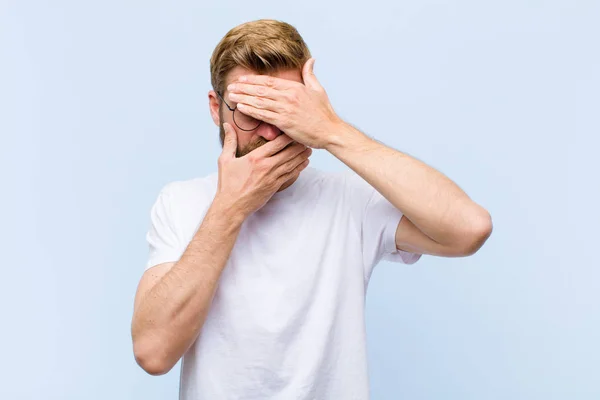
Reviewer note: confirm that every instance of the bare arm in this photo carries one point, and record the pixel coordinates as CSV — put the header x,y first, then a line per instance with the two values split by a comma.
x,y
173,299
168,316
439,217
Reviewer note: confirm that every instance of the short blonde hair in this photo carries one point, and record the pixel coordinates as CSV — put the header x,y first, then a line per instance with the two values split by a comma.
x,y
263,46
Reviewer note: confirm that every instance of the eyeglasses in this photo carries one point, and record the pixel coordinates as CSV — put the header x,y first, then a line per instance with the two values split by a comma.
x,y
241,120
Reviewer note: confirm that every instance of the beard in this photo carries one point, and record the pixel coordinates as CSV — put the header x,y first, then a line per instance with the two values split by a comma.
x,y
240,152
253,145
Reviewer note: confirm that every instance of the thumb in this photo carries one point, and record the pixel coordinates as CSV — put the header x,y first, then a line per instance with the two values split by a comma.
x,y
308,75
230,141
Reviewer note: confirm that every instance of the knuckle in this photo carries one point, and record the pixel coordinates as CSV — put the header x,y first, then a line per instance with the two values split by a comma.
x,y
252,159
294,98
270,81
262,166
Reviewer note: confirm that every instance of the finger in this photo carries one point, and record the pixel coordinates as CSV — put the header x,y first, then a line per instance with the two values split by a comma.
x,y
273,146
230,141
294,174
267,80
254,90
256,102
290,153
308,75
285,171
291,164
268,116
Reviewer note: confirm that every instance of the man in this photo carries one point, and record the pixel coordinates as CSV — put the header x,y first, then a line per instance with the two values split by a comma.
x,y
257,274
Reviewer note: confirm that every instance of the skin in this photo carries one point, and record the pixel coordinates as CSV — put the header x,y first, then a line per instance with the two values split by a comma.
x,y
248,140
172,299
439,218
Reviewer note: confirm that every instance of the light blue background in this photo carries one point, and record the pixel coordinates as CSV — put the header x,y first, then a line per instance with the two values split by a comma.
x,y
102,103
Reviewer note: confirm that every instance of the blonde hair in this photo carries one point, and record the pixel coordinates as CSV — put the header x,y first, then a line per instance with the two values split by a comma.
x,y
262,46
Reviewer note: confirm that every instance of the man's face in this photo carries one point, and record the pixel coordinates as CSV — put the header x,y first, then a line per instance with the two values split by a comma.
x,y
247,140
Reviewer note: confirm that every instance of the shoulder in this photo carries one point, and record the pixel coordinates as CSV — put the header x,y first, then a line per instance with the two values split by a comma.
x,y
190,191
315,184
342,182
343,188
317,177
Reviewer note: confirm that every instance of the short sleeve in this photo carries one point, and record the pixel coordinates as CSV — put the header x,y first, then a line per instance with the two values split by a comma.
x,y
378,221
163,241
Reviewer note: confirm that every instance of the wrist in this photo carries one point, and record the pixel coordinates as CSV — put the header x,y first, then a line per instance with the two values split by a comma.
x,y
343,135
228,210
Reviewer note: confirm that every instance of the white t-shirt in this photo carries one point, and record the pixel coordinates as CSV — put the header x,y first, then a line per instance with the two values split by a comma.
x,y
288,317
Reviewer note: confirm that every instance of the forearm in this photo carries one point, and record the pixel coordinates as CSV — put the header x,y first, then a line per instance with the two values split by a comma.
x,y
173,311
432,202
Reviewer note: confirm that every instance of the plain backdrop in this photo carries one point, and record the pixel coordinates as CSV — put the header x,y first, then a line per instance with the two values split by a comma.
x,y
103,103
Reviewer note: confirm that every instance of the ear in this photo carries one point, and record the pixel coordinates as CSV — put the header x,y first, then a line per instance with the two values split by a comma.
x,y
213,106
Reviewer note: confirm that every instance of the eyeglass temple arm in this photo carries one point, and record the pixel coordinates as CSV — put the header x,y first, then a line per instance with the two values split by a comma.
x,y
221,97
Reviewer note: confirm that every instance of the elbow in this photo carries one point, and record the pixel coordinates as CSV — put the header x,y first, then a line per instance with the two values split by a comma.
x,y
150,358
478,234
469,240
